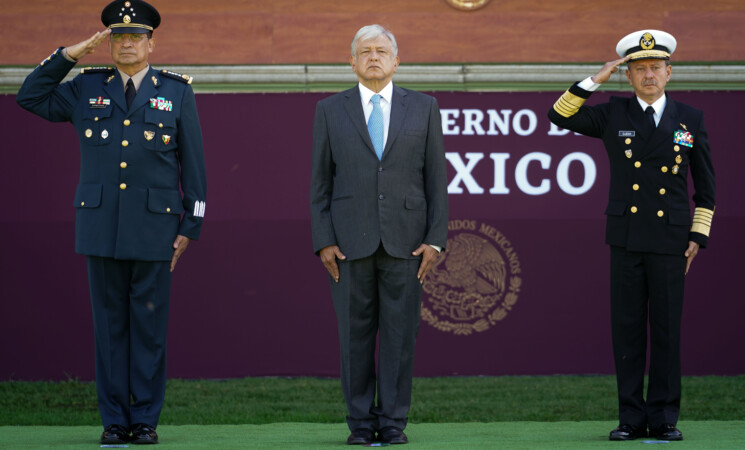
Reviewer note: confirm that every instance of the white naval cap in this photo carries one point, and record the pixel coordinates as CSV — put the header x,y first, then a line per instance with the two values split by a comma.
x,y
647,44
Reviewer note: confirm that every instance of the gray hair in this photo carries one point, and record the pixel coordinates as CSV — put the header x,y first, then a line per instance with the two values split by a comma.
x,y
371,32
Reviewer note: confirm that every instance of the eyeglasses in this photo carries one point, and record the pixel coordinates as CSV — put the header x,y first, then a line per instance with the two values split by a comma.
x,y
133,37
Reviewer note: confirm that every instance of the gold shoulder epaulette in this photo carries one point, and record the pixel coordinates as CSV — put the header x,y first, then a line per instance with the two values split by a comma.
x,y
89,70
177,76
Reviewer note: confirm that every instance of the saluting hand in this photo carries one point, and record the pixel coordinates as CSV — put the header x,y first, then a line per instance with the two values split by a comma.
x,y
429,256
690,254
179,247
609,69
89,45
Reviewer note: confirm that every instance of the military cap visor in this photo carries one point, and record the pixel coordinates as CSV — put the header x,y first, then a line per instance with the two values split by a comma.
x,y
646,44
130,16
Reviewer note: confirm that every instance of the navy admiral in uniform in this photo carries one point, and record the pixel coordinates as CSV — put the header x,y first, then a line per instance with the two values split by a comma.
x,y
141,146
653,143
379,213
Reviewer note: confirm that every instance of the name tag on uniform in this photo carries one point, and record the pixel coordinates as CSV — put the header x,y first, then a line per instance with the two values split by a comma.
x,y
623,133
99,102
683,138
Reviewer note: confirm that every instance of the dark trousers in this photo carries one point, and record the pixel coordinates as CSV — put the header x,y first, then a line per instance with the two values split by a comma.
x,y
377,295
647,288
130,317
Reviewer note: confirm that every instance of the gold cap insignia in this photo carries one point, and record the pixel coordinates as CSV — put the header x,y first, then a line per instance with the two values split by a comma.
x,y
647,41
127,19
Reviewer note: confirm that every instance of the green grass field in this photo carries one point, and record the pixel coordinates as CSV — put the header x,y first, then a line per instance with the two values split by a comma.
x,y
467,412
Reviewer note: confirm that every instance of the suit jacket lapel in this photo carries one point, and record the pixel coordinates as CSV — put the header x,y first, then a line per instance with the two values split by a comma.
x,y
353,106
115,90
668,123
399,104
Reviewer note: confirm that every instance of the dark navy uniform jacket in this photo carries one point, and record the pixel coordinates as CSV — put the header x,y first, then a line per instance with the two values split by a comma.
x,y
135,164
648,206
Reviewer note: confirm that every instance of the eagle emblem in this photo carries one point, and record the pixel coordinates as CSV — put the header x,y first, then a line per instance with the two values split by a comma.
x,y
469,288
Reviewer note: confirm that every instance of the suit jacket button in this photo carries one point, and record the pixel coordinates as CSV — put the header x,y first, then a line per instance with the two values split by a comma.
x,y
663,169
123,165
123,186
126,122
381,196
633,209
660,213
662,191
380,169
125,143
635,187
637,164
168,209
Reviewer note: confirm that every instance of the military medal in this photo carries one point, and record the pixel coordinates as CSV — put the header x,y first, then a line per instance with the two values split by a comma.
x,y
149,135
683,138
161,104
166,139
675,169
628,153
104,134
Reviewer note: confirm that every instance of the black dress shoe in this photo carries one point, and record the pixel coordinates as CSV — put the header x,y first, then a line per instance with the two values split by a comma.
x,y
666,432
114,435
361,436
392,435
143,434
626,432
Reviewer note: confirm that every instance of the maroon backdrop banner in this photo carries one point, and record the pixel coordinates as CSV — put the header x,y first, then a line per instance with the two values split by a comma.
x,y
523,288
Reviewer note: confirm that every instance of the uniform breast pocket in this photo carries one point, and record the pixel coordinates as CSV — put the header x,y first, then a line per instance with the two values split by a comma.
x,y
160,130
95,128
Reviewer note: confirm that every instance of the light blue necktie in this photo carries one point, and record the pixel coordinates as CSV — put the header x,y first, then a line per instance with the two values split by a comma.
x,y
375,126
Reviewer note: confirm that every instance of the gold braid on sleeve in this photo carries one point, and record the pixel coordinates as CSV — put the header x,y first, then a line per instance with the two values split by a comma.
x,y
568,104
702,221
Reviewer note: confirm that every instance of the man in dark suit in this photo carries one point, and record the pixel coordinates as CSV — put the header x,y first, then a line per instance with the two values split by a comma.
x,y
140,145
652,142
379,212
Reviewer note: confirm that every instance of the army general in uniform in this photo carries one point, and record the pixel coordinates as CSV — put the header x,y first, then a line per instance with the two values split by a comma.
x,y
141,147
653,144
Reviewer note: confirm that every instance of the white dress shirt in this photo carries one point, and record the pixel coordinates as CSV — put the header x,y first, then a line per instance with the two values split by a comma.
x,y
385,104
